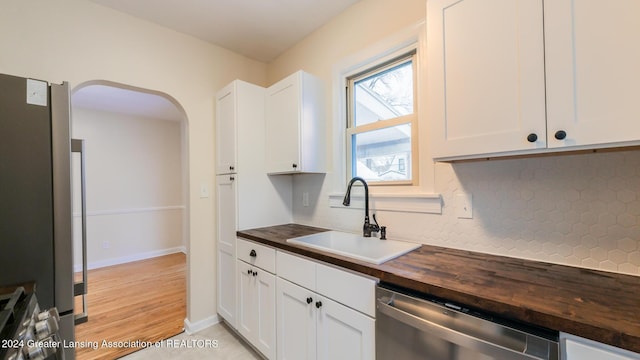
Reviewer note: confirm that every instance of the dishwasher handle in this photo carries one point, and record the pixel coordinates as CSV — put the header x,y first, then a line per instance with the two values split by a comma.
x,y
451,335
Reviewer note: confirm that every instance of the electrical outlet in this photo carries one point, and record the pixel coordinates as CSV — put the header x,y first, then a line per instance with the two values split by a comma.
x,y
464,206
204,191
305,199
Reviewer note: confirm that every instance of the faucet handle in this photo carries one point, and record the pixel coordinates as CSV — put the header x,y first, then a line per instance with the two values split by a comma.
x,y
377,227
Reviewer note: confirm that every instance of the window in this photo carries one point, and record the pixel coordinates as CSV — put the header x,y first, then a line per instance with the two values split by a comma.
x,y
382,121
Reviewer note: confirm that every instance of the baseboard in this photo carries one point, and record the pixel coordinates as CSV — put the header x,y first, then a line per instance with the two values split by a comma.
x,y
130,258
192,328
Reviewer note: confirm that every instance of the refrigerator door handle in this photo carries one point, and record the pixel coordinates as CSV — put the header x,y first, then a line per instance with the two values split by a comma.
x,y
80,288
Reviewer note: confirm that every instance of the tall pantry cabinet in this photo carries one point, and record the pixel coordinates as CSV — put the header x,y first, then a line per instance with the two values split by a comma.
x,y
245,196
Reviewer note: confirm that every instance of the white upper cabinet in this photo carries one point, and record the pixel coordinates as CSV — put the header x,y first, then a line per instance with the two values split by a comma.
x,y
516,77
486,76
295,125
592,51
226,130
240,147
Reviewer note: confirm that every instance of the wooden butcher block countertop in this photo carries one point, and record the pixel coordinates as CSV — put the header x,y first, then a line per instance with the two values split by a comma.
x,y
597,305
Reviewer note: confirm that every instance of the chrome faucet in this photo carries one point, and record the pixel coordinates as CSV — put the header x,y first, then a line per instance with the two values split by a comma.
x,y
368,228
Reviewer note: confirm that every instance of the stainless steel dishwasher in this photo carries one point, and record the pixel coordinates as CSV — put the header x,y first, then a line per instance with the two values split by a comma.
x,y
410,327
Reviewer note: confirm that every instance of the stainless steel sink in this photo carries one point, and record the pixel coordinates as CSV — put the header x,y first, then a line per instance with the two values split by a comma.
x,y
372,250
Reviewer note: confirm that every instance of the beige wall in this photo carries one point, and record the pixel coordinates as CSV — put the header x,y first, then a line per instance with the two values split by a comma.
x,y
78,41
579,210
133,169
363,24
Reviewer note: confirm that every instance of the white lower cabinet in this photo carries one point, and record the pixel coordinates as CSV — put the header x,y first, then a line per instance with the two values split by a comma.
x,y
577,348
256,304
226,206
343,333
293,308
313,326
296,321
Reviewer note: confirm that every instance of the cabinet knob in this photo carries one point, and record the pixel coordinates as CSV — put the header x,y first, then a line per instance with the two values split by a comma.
x,y
532,137
249,271
232,168
253,253
309,300
231,178
255,273
295,166
318,304
560,135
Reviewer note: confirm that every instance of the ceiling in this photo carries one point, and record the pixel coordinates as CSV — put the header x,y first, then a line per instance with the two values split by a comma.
x,y
258,29
124,101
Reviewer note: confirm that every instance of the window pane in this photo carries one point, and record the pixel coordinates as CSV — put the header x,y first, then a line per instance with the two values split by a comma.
x,y
383,155
385,95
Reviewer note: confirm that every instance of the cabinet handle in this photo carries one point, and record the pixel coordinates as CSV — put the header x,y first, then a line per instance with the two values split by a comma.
x,y
309,300
232,168
560,134
253,253
295,166
231,178
255,273
318,304
532,138
249,271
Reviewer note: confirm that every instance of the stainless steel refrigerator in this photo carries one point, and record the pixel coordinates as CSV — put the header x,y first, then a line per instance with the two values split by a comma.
x,y
35,193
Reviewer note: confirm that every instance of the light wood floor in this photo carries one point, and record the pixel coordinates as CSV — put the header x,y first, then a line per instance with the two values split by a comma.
x,y
139,301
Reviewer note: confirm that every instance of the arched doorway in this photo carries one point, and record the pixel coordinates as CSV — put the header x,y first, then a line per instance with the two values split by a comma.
x,y
137,214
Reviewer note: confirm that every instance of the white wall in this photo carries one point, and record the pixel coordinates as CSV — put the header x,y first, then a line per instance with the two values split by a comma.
x,y
580,210
79,41
134,186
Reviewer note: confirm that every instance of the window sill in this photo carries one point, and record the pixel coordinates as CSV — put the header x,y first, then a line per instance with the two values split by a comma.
x,y
413,203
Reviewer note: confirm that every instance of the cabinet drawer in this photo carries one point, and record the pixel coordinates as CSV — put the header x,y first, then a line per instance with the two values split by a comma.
x,y
297,270
263,257
577,348
352,290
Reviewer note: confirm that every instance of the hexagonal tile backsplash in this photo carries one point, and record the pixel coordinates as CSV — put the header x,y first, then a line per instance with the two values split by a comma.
x,y
580,210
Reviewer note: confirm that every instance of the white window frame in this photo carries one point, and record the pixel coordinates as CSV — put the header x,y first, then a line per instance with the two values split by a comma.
x,y
416,198
412,119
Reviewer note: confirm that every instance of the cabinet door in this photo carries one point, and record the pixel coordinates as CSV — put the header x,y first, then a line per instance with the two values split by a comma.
x,y
265,297
247,308
486,90
296,322
226,128
227,287
343,333
226,267
592,56
283,125
578,350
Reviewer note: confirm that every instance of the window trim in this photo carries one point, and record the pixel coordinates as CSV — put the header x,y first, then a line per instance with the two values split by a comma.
x,y
373,67
419,198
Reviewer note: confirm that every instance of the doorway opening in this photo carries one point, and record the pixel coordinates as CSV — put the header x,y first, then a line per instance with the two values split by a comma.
x,y
136,175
